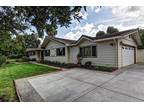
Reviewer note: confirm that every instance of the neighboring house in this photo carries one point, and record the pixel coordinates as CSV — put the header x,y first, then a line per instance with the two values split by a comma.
x,y
34,53
113,50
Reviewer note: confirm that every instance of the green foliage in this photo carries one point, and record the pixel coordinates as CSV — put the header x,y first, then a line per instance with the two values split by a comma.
x,y
30,41
142,38
111,30
58,64
100,68
100,33
45,19
2,59
10,22
16,46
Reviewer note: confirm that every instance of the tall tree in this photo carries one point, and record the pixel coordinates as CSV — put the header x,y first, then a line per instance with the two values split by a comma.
x,y
111,30
21,42
100,33
45,19
142,38
5,43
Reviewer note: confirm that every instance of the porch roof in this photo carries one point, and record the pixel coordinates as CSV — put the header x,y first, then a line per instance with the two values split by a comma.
x,y
34,49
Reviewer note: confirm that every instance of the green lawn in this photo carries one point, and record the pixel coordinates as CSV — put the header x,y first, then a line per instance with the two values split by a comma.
x,y
12,71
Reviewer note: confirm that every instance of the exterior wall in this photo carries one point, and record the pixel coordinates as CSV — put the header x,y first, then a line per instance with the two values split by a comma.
x,y
106,54
127,41
52,45
140,56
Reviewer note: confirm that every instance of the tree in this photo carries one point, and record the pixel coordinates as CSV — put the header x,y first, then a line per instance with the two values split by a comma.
x,y
100,33
142,38
111,30
31,41
9,22
6,44
45,19
21,42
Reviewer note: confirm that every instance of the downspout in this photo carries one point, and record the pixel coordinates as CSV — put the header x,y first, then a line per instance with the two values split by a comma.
x,y
117,55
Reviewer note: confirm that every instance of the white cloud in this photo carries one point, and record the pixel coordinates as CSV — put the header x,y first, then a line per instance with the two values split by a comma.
x,y
129,12
83,14
75,33
122,18
87,28
95,9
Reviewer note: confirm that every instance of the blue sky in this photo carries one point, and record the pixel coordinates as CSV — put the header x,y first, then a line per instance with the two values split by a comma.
x,y
96,19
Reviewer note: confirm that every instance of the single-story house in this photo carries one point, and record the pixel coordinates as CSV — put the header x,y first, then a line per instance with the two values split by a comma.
x,y
113,50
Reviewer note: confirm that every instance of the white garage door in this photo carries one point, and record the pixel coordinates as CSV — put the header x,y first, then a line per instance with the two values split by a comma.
x,y
127,55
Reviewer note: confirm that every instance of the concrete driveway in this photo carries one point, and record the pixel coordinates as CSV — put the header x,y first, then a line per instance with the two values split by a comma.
x,y
84,85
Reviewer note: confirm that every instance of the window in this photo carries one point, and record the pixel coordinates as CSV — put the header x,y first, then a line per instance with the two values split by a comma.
x,y
60,51
47,52
94,51
88,51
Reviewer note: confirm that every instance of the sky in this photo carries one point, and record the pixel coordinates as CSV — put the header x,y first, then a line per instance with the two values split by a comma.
x,y
96,18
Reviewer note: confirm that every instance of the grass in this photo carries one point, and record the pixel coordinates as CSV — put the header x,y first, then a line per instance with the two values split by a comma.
x,y
12,71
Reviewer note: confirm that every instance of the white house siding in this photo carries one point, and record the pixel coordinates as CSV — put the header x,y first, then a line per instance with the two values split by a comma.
x,y
128,41
106,53
140,56
52,45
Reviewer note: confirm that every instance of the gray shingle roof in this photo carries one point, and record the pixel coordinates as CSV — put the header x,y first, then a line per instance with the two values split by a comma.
x,y
68,41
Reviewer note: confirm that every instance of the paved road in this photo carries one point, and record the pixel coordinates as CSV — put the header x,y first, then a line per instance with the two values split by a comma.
x,y
84,85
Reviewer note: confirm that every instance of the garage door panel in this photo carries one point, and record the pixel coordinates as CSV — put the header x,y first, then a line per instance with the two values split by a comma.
x,y
127,55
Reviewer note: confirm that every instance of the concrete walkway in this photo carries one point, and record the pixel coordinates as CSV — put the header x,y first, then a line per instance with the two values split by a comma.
x,y
84,85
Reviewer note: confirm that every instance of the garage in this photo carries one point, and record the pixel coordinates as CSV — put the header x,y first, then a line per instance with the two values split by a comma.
x,y
128,55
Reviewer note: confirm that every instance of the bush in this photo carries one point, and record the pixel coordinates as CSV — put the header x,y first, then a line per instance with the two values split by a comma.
x,y
58,64
105,68
99,68
88,64
2,60
15,56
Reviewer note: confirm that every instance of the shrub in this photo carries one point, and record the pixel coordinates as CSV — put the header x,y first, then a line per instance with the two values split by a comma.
x,y
88,64
100,68
59,64
15,56
2,60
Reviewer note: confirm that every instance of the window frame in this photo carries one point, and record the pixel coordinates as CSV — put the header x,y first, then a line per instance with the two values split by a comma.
x,y
60,51
47,53
82,51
